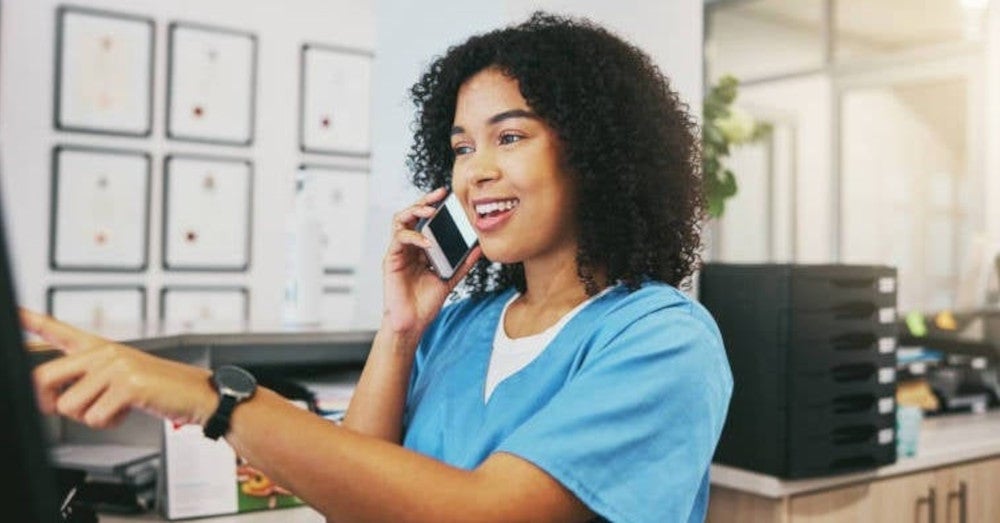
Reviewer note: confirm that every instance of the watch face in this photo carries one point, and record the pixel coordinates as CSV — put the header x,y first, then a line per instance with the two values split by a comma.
x,y
231,379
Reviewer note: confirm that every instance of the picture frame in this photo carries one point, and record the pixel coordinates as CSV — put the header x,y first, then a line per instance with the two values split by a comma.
x,y
335,100
104,72
212,84
208,213
208,308
99,209
340,197
115,311
338,302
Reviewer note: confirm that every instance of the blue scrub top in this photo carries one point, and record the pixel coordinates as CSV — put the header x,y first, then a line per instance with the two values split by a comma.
x,y
624,407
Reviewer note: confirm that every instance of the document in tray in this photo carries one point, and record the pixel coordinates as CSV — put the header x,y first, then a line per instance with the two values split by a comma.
x,y
205,477
102,458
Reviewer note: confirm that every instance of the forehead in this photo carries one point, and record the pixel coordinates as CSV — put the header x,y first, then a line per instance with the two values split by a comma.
x,y
486,93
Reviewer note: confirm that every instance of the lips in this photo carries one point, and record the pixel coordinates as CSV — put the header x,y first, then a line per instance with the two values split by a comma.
x,y
493,213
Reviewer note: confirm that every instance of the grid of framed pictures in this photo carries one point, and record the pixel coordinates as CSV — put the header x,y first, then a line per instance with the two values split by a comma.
x,y
113,310
335,100
337,305
100,194
188,308
207,213
210,93
99,209
340,198
104,68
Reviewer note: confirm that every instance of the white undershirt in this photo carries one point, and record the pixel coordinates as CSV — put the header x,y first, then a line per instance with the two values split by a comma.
x,y
510,355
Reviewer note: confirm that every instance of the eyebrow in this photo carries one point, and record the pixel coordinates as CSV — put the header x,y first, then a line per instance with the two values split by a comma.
x,y
499,117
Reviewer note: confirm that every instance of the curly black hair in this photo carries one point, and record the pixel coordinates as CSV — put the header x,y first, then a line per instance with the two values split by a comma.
x,y
628,141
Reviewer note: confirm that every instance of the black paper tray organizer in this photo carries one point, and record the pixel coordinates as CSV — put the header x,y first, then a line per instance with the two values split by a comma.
x,y
813,354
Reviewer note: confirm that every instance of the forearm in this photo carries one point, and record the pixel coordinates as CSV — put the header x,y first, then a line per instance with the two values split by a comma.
x,y
377,405
345,475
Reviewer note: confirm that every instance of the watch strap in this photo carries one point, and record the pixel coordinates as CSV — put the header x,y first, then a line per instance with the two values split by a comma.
x,y
218,424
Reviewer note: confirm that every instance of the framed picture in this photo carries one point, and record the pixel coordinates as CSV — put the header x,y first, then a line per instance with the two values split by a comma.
x,y
99,210
338,307
335,101
207,213
104,72
114,311
204,309
212,84
340,195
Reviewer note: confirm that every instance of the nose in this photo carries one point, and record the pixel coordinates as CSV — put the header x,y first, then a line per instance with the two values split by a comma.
x,y
482,169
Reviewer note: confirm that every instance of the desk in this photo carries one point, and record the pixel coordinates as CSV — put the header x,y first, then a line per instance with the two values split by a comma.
x,y
289,350
953,450
285,515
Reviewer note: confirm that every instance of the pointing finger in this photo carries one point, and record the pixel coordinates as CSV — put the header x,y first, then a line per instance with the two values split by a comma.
x,y
61,335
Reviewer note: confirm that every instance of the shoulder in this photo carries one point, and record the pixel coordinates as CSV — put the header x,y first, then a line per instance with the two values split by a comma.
x,y
656,304
657,325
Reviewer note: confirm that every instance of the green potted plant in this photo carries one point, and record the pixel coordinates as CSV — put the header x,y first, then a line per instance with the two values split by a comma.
x,y
723,127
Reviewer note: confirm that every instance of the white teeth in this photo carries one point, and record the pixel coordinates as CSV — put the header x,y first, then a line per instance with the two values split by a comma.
x,y
491,207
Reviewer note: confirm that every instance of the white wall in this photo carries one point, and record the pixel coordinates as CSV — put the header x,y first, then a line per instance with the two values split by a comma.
x,y
892,158
409,33
992,124
404,34
27,135
805,102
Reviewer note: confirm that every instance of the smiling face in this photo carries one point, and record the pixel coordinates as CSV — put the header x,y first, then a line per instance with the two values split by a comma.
x,y
508,173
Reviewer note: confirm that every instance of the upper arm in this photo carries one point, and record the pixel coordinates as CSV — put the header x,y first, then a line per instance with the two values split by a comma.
x,y
632,433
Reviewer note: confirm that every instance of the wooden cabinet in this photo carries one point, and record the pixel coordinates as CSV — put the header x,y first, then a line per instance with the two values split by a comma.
x,y
970,493
966,493
905,498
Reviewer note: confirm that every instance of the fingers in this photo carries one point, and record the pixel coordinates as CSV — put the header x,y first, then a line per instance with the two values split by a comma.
x,y
411,237
76,400
409,216
61,335
474,255
52,378
422,208
434,196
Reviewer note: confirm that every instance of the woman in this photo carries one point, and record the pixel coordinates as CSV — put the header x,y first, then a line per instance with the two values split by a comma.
x,y
575,382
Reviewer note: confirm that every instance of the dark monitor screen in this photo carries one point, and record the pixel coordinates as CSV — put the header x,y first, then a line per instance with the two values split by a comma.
x,y
31,494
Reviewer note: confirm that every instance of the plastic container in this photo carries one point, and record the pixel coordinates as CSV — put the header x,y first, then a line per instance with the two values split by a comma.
x,y
304,260
908,421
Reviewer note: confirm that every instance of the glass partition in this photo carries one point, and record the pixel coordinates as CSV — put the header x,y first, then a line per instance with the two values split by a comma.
x,y
764,38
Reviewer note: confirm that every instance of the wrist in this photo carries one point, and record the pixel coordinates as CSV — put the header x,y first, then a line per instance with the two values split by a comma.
x,y
398,341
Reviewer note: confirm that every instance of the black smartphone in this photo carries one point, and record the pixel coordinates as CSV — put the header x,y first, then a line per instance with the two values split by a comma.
x,y
452,237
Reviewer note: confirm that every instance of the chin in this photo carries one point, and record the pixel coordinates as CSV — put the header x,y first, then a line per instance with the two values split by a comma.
x,y
499,254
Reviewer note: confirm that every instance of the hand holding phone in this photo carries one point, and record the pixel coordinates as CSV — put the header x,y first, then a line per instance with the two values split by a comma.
x,y
451,235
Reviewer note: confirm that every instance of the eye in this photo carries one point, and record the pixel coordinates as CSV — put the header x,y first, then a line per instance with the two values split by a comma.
x,y
461,149
509,138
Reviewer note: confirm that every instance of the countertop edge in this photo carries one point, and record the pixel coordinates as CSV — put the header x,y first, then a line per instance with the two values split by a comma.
x,y
940,446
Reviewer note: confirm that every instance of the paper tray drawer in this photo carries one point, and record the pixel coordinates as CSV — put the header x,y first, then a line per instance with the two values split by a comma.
x,y
834,286
853,318
819,358
823,388
843,411
819,461
844,347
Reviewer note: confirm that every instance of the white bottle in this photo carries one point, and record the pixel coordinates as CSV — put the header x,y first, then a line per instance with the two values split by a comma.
x,y
304,264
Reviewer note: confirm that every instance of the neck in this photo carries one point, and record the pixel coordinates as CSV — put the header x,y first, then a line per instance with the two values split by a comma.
x,y
553,281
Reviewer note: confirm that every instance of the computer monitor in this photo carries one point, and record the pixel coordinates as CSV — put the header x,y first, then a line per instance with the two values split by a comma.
x,y
31,494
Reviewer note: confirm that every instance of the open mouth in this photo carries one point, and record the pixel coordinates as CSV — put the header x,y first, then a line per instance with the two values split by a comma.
x,y
496,208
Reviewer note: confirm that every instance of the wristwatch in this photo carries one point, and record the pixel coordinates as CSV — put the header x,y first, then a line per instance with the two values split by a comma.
x,y
235,385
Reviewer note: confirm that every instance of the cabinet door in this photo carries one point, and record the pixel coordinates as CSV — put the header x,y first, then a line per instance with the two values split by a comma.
x,y
970,492
906,498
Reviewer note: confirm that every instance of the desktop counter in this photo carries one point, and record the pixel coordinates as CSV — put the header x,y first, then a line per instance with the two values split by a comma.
x,y
956,471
